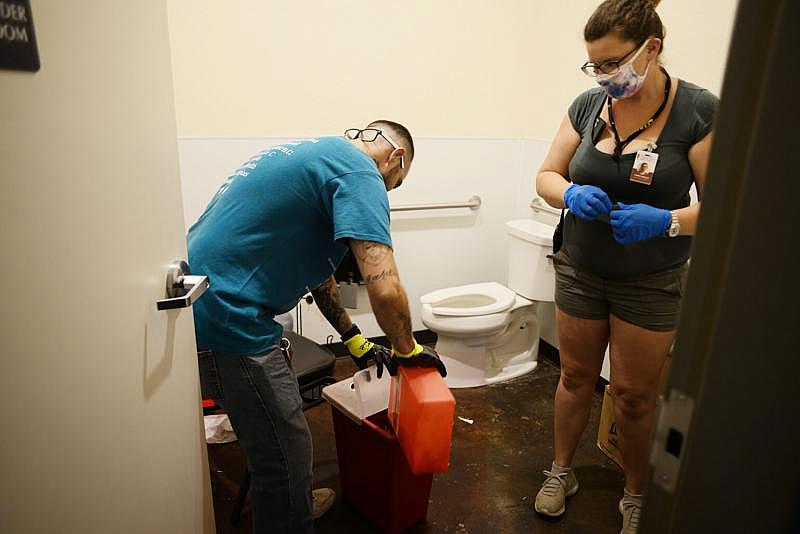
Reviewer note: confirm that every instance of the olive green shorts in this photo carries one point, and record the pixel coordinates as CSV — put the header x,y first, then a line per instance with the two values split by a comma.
x,y
651,302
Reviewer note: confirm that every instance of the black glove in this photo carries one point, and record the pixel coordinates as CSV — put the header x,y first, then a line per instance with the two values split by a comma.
x,y
363,350
421,356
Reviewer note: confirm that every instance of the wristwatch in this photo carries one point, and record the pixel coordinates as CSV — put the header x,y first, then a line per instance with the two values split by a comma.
x,y
674,225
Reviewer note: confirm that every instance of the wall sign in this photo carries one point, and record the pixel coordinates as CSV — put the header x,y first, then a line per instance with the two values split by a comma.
x,y
17,41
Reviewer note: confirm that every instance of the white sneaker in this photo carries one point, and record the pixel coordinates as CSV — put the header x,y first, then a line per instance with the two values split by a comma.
x,y
559,484
323,500
630,506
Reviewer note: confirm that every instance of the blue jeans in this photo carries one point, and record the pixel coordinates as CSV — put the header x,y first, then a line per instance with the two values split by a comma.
x,y
261,397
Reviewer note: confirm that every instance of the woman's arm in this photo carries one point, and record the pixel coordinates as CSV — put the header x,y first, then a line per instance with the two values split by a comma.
x,y
553,177
698,160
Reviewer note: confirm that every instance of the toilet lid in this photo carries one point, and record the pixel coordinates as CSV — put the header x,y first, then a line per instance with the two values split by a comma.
x,y
532,231
473,299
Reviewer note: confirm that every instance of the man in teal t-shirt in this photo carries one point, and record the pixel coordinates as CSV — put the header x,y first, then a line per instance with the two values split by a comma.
x,y
275,230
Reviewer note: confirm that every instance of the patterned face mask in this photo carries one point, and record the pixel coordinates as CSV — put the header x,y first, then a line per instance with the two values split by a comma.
x,y
625,82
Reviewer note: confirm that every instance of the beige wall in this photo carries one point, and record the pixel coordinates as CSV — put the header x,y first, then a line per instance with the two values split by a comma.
x,y
102,431
469,68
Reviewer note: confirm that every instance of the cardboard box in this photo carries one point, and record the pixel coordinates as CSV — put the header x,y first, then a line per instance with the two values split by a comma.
x,y
607,436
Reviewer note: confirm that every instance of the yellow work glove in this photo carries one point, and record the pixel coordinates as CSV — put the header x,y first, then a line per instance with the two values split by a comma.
x,y
420,356
416,350
362,350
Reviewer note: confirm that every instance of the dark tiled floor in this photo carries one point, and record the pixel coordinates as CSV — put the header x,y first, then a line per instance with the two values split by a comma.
x,y
495,468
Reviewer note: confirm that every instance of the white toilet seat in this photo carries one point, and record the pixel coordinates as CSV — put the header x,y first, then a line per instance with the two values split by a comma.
x,y
472,310
472,326
488,348
470,300
488,333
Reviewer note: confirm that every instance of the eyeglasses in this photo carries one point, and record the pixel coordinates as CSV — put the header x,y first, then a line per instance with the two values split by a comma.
x,y
369,135
606,67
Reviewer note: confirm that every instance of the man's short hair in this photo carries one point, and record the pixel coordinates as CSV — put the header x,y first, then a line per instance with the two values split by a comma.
x,y
398,133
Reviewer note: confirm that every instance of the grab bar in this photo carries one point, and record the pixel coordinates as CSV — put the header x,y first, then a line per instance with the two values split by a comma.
x,y
473,203
540,205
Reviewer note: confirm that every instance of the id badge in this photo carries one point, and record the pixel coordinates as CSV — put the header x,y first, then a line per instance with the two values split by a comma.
x,y
643,167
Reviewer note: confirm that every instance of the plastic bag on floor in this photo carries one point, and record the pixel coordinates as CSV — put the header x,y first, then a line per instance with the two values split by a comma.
x,y
218,429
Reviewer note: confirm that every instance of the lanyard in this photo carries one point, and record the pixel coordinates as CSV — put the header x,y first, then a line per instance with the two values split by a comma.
x,y
620,145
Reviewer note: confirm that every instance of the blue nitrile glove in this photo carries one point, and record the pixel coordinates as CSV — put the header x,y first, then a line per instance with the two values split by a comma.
x,y
587,201
637,222
363,350
420,356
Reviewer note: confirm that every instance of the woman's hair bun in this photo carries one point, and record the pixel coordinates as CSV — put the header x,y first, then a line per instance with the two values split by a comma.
x,y
636,20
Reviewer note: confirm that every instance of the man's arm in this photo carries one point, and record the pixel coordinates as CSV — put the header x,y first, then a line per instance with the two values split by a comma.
x,y
330,304
386,294
360,348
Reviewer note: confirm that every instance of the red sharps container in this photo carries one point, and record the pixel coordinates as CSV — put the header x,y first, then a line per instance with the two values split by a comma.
x,y
421,411
375,474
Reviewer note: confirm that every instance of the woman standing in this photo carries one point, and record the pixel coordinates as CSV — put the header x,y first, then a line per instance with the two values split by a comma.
x,y
621,270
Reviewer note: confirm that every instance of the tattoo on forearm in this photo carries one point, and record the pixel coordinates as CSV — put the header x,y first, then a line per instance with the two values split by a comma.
x,y
383,275
371,253
329,303
398,330
394,318
405,320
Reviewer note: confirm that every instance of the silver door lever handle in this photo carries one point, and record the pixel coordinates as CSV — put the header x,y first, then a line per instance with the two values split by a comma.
x,y
183,288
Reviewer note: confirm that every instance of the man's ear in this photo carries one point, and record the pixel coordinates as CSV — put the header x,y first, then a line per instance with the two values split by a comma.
x,y
396,154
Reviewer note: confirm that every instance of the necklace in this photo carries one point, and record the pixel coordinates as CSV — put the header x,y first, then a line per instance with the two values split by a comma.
x,y
619,145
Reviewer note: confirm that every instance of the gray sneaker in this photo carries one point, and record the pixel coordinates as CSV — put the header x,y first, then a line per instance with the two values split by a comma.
x,y
559,484
323,500
630,507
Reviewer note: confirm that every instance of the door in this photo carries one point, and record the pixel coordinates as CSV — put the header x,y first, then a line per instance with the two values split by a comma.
x,y
99,398
726,449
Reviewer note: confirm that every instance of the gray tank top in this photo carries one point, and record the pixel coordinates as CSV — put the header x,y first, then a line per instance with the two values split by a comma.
x,y
590,244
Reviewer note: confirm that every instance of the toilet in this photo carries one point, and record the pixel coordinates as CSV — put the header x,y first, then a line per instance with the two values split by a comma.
x,y
489,332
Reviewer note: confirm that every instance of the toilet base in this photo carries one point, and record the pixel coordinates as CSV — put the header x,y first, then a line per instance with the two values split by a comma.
x,y
512,371
474,362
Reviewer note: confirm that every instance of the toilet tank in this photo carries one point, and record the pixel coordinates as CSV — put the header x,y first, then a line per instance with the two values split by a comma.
x,y
530,271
